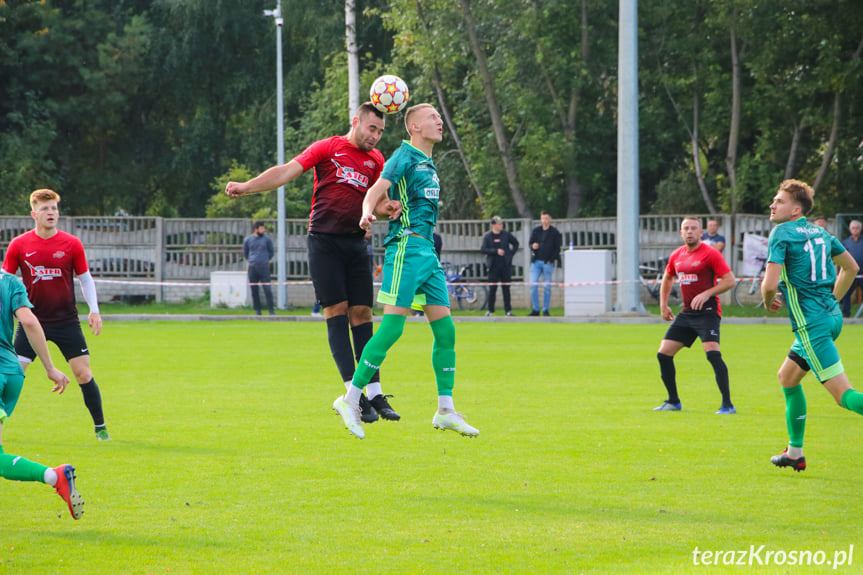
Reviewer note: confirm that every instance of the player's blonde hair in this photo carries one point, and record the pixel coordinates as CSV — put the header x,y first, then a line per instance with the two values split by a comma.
x,y
413,110
43,195
800,193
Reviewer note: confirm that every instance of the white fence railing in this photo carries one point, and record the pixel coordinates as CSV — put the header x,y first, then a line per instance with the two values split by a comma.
x,y
157,250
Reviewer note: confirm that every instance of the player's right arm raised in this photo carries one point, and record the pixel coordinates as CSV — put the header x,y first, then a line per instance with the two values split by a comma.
x,y
269,180
375,194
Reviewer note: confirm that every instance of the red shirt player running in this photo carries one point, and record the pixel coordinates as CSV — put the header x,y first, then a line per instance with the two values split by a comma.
x,y
345,167
703,275
48,260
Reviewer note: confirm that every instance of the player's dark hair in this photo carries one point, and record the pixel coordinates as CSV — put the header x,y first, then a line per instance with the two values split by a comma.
x,y
257,224
545,213
800,193
367,108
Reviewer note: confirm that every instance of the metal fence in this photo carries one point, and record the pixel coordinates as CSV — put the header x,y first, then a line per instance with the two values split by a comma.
x,y
151,257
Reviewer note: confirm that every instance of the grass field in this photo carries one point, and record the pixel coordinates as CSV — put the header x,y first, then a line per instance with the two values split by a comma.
x,y
227,457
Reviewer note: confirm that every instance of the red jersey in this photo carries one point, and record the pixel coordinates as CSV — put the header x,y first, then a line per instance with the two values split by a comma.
x,y
47,268
697,271
343,175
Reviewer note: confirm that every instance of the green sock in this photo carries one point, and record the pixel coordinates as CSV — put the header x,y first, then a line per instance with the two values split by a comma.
x,y
853,400
443,354
795,414
392,326
17,468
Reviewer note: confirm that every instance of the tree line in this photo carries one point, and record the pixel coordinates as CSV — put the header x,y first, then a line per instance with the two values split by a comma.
x,y
148,107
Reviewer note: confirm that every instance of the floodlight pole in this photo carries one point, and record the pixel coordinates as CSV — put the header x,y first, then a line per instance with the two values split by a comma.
x,y
281,247
353,58
628,289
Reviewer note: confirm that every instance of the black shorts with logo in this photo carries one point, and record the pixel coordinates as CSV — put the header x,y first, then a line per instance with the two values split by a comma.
x,y
688,326
340,271
68,337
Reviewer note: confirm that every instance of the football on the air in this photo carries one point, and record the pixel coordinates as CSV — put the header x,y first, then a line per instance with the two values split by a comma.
x,y
389,94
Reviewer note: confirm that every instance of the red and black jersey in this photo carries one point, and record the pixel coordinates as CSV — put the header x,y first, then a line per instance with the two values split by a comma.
x,y
343,175
697,271
47,269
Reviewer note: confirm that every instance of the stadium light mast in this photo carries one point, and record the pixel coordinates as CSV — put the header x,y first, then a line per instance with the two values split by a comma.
x,y
281,248
628,290
353,58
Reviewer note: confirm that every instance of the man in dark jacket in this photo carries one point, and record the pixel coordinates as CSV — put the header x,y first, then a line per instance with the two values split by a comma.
x,y
258,251
499,245
545,242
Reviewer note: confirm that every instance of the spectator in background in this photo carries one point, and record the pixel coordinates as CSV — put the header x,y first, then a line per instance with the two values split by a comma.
x,y
854,245
820,221
499,246
370,250
712,237
316,309
545,242
258,250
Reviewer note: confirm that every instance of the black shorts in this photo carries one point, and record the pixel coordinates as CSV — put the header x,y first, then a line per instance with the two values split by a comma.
x,y
687,326
340,271
68,337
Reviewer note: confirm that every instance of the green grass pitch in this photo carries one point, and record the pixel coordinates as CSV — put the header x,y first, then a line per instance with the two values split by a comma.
x,y
227,457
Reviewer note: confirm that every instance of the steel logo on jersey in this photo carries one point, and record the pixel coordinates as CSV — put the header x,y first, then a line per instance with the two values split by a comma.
x,y
687,278
350,176
43,273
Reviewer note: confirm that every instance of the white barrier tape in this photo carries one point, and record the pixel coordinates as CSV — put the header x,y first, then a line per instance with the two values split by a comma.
x,y
308,282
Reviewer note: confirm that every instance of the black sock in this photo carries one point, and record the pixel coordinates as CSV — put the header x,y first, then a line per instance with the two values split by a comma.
x,y
93,401
669,376
362,334
339,337
721,371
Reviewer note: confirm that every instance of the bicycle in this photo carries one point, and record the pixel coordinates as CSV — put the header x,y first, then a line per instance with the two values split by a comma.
x,y
653,286
468,297
747,292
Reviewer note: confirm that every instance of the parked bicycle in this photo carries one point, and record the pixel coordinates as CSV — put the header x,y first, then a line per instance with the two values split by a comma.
x,y
747,292
654,285
468,296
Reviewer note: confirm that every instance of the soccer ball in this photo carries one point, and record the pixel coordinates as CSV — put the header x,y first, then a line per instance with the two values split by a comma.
x,y
389,94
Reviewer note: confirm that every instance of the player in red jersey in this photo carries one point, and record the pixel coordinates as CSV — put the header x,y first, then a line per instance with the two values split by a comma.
x,y
49,259
345,167
703,275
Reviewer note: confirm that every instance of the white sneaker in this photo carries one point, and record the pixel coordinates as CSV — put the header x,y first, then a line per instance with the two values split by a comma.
x,y
316,314
448,419
350,415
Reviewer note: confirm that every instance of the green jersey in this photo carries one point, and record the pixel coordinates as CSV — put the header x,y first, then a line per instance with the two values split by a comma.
x,y
806,253
13,296
417,187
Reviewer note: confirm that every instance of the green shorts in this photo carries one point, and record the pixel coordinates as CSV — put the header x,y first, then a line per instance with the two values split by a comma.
x,y
816,344
10,390
413,277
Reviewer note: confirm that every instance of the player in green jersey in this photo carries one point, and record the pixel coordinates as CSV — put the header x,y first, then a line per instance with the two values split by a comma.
x,y
15,305
413,277
800,262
